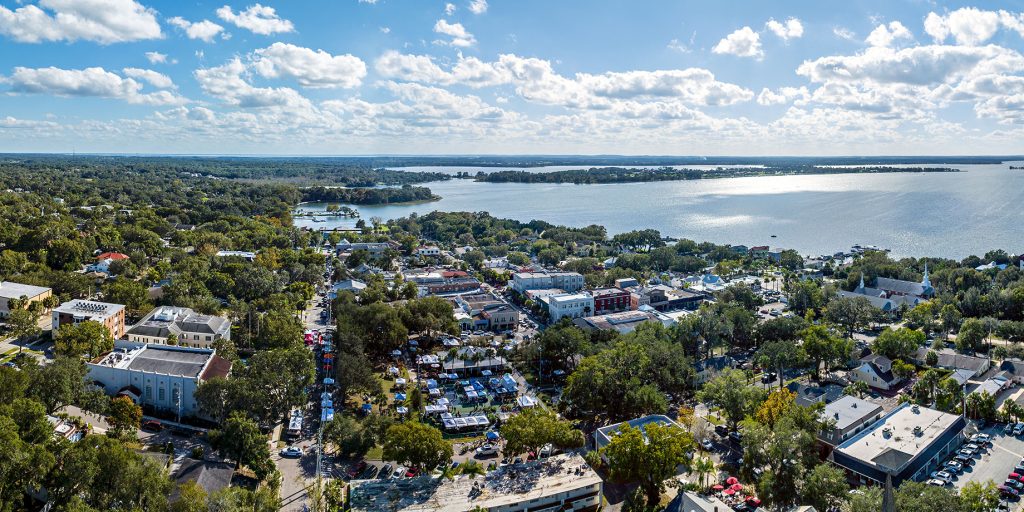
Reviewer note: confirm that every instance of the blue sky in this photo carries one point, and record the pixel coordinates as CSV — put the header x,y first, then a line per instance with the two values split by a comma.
x,y
512,76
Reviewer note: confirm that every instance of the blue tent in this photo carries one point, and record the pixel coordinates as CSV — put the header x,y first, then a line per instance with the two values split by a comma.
x,y
400,397
492,435
509,382
431,383
328,381
326,415
367,408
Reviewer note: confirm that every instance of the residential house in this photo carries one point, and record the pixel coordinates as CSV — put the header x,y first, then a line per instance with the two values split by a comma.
x,y
875,370
808,395
1014,368
708,368
428,251
211,476
952,360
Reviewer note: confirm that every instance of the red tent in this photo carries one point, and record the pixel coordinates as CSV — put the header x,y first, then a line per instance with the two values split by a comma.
x,y
732,480
736,487
718,487
729,492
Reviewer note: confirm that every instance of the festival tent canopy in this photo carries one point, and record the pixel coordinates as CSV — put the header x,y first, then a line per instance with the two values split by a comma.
x,y
526,401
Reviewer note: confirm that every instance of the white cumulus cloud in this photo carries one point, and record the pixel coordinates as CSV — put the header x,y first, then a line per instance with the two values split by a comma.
x,y
156,57
102,21
478,6
791,29
741,43
95,82
967,25
449,9
781,95
227,83
310,68
204,30
156,79
460,36
257,18
884,35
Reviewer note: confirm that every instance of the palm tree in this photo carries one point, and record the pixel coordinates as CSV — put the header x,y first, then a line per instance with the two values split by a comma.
x,y
703,467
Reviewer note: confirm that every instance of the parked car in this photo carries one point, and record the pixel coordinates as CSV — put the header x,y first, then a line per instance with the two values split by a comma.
x,y
1015,484
385,472
963,459
487,449
1008,429
736,436
945,475
707,445
356,469
721,430
1008,492
966,453
1018,429
399,472
292,451
936,482
954,467
152,426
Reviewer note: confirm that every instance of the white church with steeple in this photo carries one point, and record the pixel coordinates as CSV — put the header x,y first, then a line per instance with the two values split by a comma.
x,y
889,294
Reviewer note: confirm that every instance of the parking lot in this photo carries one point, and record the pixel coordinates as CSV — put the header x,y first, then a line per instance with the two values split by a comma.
x,y
996,462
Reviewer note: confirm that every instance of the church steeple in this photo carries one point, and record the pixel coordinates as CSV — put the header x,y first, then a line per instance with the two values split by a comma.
x,y
926,282
888,500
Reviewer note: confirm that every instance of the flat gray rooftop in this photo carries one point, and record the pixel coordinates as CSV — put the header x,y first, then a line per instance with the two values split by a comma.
x,y
849,410
892,441
171,362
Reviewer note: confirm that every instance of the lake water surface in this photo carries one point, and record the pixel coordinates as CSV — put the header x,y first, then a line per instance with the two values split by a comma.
x,y
919,214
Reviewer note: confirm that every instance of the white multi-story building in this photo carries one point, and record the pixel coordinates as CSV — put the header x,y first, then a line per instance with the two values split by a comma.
x,y
190,328
572,305
159,376
568,281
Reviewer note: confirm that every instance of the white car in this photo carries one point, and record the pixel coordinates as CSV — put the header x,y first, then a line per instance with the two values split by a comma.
x,y
487,449
707,445
936,482
942,475
291,451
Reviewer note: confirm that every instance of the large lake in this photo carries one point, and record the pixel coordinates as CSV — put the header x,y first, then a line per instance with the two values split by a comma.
x,y
915,214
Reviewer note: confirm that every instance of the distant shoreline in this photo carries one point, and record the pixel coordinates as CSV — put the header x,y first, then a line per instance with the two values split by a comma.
x,y
603,175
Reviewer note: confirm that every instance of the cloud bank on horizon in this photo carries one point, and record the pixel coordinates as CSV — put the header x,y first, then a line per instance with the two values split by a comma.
x,y
511,76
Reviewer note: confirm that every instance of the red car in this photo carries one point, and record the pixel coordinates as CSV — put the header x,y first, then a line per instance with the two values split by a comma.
x,y
152,426
411,472
356,470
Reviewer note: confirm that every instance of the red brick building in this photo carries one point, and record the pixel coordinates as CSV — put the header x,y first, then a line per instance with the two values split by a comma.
x,y
610,300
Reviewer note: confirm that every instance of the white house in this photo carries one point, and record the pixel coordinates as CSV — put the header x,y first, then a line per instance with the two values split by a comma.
x,y
428,251
876,371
